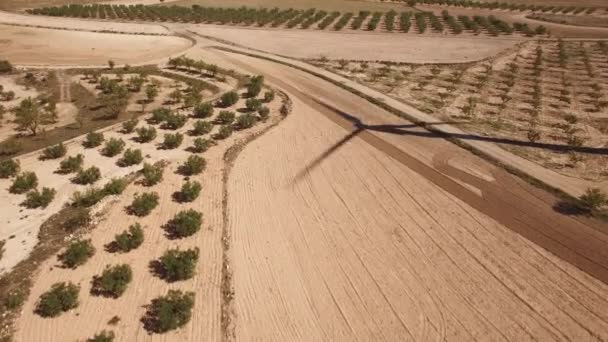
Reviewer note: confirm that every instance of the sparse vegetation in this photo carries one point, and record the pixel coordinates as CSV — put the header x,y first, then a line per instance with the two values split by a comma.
x,y
169,312
172,141
203,110
229,99
152,174
9,168
93,139
104,336
178,265
129,126
184,224
593,199
131,157
146,134
224,132
113,147
113,281
88,176
24,182
39,199
189,192
54,152
77,253
71,164
129,239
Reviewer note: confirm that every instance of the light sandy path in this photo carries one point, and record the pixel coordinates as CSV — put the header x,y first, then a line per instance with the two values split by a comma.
x,y
359,46
364,247
50,47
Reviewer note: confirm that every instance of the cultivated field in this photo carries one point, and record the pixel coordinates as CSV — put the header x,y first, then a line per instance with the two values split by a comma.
x,y
325,171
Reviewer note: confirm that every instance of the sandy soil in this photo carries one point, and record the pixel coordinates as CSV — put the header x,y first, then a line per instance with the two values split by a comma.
x,y
32,46
360,46
338,236
79,24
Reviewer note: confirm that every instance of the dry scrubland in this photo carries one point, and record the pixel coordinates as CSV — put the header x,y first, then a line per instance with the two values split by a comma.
x,y
546,101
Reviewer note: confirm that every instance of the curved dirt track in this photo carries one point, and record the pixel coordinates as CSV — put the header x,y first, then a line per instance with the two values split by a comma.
x,y
337,238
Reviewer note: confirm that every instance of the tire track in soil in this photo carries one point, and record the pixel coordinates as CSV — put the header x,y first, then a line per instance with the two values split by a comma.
x,y
579,243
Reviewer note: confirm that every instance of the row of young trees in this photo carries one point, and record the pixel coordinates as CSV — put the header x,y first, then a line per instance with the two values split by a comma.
x,y
497,5
290,18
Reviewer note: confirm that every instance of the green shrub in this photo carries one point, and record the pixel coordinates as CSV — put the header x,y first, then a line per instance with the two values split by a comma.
x,y
54,152
39,199
24,182
152,174
129,239
189,192
203,110
88,176
5,66
143,204
113,281
115,186
178,265
169,312
193,166
224,132
264,113
89,198
129,126
225,117
593,199
160,115
201,145
175,121
253,105
9,168
246,121
269,96
60,298
71,164
131,157
104,336
146,134
201,128
172,141
93,139
228,99
113,147
185,223
77,253
14,300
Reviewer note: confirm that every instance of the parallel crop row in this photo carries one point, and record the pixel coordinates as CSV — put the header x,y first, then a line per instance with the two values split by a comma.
x,y
293,18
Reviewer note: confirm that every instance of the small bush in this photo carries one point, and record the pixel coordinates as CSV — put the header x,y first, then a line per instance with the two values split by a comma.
x,y
246,121
201,128
104,336
143,204
175,121
93,139
169,312
225,117
24,182
189,192
71,164
160,115
131,157
193,166
185,223
14,300
5,67
593,199
224,132
129,126
39,199
264,113
253,105
146,134
88,176
229,99
254,89
203,110
172,141
113,147
54,152
178,265
77,253
115,186
60,298
9,168
88,198
129,239
152,174
269,96
201,145
113,281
